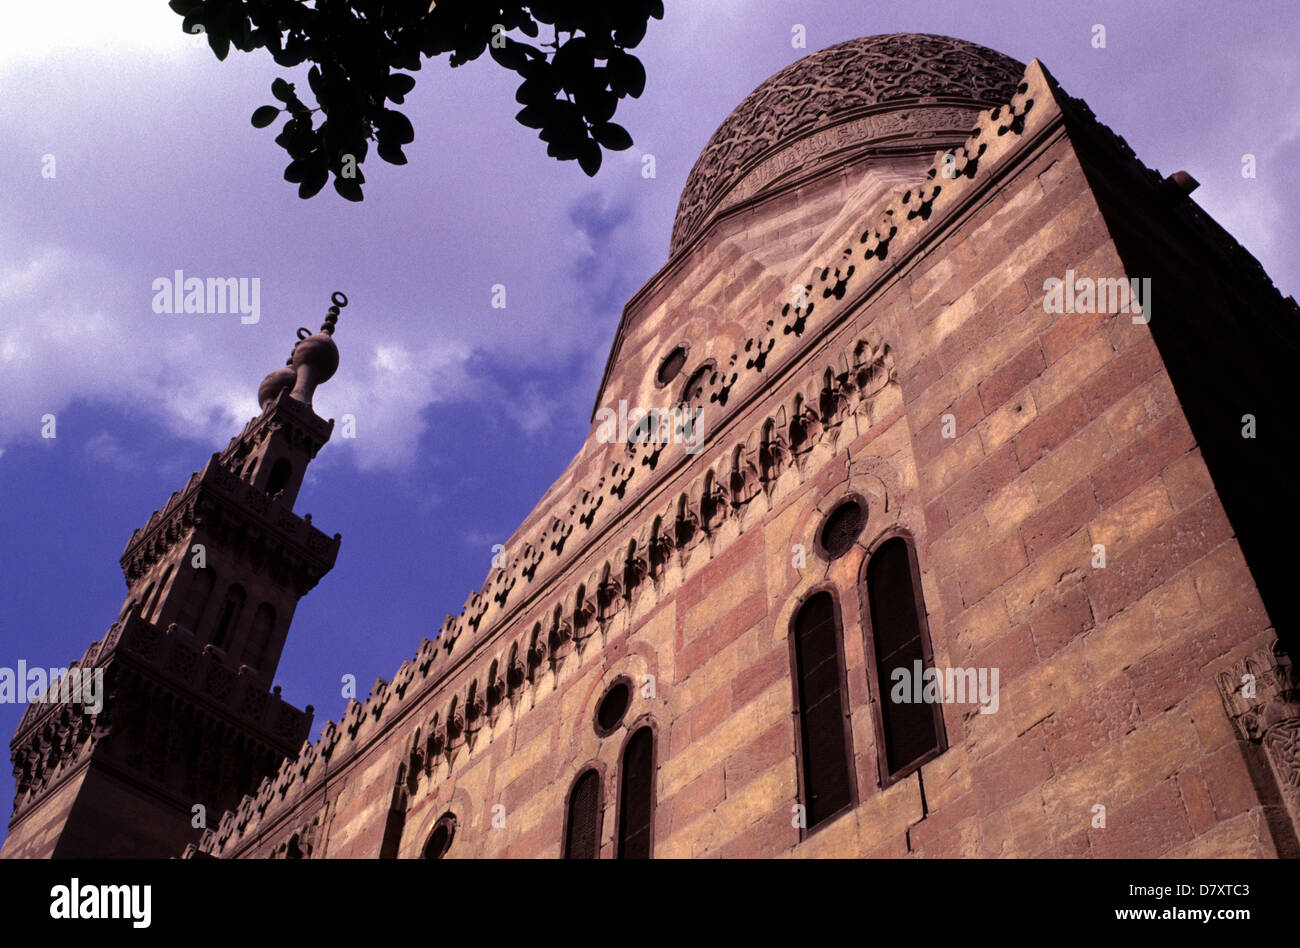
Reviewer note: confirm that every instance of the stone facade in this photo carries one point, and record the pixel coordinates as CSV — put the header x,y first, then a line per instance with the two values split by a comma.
x,y
871,325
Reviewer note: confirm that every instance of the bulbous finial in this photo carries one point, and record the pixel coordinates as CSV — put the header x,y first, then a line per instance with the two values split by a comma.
x,y
315,357
313,360
278,381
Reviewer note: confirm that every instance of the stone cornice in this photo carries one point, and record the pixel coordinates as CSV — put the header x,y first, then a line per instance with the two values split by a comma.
x,y
178,516
307,429
218,491
173,659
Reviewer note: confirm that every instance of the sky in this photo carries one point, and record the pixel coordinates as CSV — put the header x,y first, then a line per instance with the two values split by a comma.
x,y
465,413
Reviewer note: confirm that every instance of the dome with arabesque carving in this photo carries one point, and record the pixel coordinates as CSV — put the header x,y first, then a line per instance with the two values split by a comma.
x,y
878,90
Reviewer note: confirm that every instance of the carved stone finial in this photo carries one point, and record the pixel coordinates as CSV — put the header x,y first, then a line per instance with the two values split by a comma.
x,y
332,315
314,360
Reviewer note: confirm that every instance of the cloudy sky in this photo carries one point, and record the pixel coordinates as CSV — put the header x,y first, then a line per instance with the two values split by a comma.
x,y
465,413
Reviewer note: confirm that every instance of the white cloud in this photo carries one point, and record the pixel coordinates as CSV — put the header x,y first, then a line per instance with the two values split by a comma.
x,y
187,183
42,31
482,540
533,412
74,329
104,448
387,392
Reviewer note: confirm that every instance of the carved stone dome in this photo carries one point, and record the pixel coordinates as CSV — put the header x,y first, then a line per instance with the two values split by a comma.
x,y
879,91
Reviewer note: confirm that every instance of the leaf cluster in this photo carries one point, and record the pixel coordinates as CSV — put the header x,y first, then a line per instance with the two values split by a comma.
x,y
572,57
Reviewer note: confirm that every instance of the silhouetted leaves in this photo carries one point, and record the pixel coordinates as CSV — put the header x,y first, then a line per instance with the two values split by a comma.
x,y
310,173
626,74
264,115
589,156
612,136
398,85
572,78
396,126
349,188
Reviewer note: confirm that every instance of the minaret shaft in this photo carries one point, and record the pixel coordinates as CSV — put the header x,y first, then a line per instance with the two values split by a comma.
x,y
189,720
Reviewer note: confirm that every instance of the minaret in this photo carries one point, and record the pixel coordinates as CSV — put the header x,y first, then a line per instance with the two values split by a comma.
x,y
188,721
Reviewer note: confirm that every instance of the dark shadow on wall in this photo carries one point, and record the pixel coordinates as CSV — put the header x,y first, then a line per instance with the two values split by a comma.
x,y
1231,345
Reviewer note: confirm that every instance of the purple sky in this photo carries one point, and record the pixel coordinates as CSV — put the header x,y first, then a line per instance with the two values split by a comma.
x,y
465,413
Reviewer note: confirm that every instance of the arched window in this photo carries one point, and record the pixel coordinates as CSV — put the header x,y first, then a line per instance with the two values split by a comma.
x,y
146,601
693,390
280,474
396,820
229,615
444,831
825,742
582,828
152,608
196,599
912,730
259,636
636,801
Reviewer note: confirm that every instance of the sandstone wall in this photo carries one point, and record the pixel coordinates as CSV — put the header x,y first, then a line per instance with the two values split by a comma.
x,y
1067,435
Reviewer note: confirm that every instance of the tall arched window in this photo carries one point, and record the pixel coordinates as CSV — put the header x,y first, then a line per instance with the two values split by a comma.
x,y
152,608
229,615
196,599
280,473
912,730
825,743
146,601
636,801
582,828
259,636
396,820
